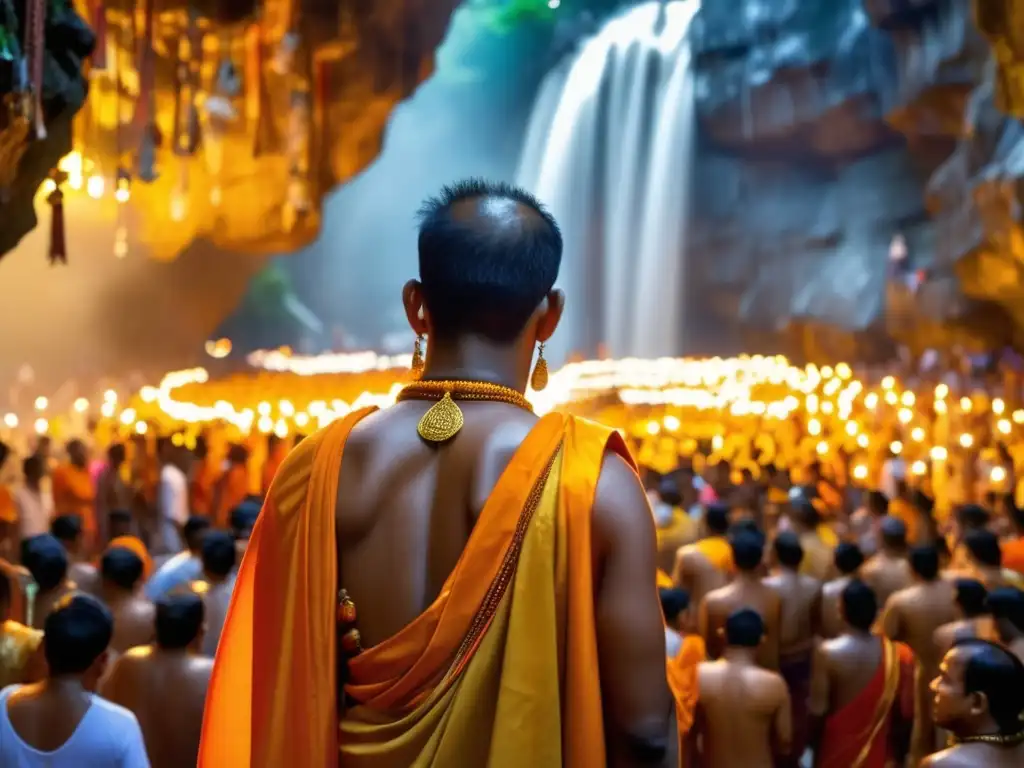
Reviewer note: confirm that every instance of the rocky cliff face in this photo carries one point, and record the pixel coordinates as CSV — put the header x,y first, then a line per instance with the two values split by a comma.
x,y
834,137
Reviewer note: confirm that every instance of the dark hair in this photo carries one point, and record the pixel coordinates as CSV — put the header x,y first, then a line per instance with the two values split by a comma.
x,y
972,597
5,591
67,528
804,512
668,491
116,453
5,451
1017,516
218,553
202,449
744,628
716,516
76,633
923,501
972,516
120,516
1008,603
486,272
196,525
894,532
878,503
848,558
122,567
238,453
46,560
747,550
984,547
244,516
924,561
179,619
788,549
33,466
860,605
673,602
994,671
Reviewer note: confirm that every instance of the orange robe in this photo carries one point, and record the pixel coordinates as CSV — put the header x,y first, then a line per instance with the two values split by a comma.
x,y
8,512
1013,554
857,736
18,646
74,494
718,551
499,671
902,510
234,489
200,490
683,682
272,465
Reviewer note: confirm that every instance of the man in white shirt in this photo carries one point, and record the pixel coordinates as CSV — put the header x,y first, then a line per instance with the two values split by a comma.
x,y
172,500
60,722
34,502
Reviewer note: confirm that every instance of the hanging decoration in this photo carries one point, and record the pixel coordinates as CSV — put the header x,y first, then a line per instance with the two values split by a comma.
x,y
15,104
145,127
265,136
35,49
58,243
220,114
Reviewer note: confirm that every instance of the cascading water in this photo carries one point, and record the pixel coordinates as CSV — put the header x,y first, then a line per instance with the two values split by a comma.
x,y
608,150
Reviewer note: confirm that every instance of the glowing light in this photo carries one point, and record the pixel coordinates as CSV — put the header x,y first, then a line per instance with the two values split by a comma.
x,y
822,448
41,403
218,349
176,439
939,453
263,409
11,420
110,396
941,391
919,468
966,440
95,187
852,428
896,447
141,428
301,419
107,410
940,406
553,4
908,399
998,406
843,371
828,407
863,441
888,383
871,401
966,404
717,442
149,394
814,427
123,193
917,434
1018,416
281,428
653,427
127,416
827,372
905,415
81,405
860,472
672,423
179,206
286,408
265,424
812,404
72,164
1003,425
891,398
998,474
42,426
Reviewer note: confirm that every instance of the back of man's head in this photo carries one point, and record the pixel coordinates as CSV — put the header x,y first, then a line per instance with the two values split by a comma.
x,y
195,529
46,560
67,529
971,597
179,621
894,533
243,518
859,605
673,603
848,558
744,628
972,516
218,553
983,546
716,517
747,550
121,567
76,634
1007,604
924,562
788,549
878,503
488,256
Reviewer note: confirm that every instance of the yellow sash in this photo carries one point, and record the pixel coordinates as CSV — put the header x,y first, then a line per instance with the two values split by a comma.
x,y
891,660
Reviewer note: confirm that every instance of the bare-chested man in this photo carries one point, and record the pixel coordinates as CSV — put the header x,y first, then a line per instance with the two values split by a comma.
x,y
164,684
218,582
67,529
743,716
848,560
979,696
800,616
985,561
888,571
47,561
911,616
707,564
1007,606
866,522
121,570
746,591
854,722
974,619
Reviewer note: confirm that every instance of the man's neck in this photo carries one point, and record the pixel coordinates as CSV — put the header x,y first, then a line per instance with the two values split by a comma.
x,y
735,654
64,685
474,359
749,577
34,485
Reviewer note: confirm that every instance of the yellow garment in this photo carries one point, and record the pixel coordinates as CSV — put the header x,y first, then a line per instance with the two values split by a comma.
x,y
828,536
718,552
683,681
499,671
17,645
8,512
902,510
818,555
664,580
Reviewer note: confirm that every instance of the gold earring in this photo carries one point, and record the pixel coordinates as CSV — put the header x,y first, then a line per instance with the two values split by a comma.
x,y
539,378
417,357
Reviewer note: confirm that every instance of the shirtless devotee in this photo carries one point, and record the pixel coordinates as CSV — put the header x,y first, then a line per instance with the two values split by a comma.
x,y
866,522
216,585
911,616
746,591
73,491
979,696
985,561
862,692
67,529
973,617
171,669
800,600
848,560
706,564
966,519
112,493
1007,606
121,571
21,655
805,520
46,560
440,525
743,715
674,526
887,571
59,721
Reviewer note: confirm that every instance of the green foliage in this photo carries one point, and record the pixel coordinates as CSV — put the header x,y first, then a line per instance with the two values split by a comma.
x,y
506,15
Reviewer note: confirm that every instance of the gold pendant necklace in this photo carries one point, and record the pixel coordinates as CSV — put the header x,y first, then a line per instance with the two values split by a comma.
x,y
996,739
444,419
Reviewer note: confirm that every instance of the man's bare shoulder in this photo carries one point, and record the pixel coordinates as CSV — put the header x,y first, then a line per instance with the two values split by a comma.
x,y
622,513
949,758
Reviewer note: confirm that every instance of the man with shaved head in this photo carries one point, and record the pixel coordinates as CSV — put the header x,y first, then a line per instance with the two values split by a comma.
x,y
888,571
498,569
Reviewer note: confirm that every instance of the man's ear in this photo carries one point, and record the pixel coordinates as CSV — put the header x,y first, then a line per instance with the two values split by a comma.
x,y
551,314
415,309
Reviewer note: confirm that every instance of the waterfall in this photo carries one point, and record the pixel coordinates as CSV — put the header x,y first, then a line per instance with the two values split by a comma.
x,y
608,150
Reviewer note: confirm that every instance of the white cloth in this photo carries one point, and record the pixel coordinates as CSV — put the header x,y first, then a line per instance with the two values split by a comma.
x,y
108,736
893,469
173,505
35,511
